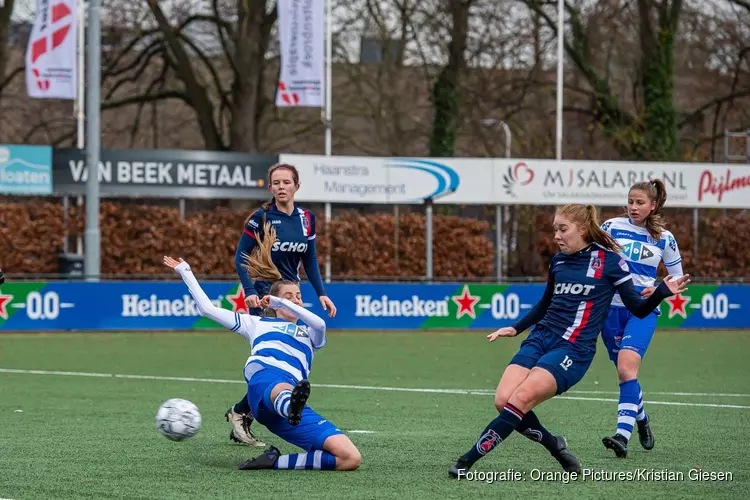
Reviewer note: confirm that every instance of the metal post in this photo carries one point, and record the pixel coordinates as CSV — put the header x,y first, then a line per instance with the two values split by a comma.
x,y
327,123
182,209
92,260
80,105
330,242
560,77
499,242
396,230
66,207
428,239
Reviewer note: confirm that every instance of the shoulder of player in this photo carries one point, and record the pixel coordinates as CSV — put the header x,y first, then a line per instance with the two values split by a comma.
x,y
305,211
256,219
614,260
666,234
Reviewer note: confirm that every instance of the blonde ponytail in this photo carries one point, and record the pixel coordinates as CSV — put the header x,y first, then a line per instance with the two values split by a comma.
x,y
258,264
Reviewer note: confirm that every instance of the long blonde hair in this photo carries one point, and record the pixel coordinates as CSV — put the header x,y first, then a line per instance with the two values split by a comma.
x,y
258,264
656,192
585,216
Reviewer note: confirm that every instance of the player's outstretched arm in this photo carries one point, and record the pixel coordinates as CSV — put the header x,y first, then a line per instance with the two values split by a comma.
x,y
206,308
641,307
317,325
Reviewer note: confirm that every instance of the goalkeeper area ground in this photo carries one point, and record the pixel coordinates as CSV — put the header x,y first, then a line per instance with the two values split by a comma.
x,y
77,418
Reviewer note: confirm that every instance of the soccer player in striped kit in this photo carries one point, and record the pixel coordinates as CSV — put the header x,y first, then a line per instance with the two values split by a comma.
x,y
645,243
277,370
295,231
581,282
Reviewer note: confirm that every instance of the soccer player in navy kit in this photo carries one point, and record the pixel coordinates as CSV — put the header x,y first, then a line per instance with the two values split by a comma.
x,y
295,245
581,281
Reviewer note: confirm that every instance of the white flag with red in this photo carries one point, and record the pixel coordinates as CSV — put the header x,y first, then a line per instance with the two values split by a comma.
x,y
302,47
51,53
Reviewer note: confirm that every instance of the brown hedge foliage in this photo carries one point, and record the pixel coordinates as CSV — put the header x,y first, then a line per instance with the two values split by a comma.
x,y
134,238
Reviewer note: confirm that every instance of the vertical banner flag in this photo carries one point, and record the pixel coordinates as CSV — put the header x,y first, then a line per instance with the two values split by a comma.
x,y
301,32
51,53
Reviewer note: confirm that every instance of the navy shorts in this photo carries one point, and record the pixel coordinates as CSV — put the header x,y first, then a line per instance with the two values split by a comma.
x,y
566,361
623,330
312,431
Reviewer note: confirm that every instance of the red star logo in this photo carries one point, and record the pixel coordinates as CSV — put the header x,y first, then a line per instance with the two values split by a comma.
x,y
465,303
238,301
677,305
4,301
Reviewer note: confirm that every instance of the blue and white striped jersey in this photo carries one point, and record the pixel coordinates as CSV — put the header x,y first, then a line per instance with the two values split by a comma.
x,y
274,342
643,252
280,344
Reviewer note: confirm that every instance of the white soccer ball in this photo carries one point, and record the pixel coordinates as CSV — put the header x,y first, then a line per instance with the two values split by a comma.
x,y
178,419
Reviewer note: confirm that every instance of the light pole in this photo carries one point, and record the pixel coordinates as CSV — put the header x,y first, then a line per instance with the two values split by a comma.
x,y
493,123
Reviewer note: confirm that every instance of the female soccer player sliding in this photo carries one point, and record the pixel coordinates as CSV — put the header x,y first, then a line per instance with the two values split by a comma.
x,y
645,243
581,282
295,229
276,371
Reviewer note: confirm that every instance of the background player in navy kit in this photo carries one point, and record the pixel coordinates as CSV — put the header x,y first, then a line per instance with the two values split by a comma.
x,y
645,243
581,281
295,245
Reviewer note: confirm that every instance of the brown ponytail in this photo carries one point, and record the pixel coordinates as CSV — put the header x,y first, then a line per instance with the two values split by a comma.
x,y
585,216
656,192
258,264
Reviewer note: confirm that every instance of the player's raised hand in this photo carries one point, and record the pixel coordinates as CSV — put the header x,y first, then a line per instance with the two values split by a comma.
x,y
170,262
252,301
507,331
264,302
648,291
327,305
677,285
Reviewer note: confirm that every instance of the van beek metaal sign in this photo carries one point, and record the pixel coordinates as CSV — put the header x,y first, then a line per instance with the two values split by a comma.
x,y
171,173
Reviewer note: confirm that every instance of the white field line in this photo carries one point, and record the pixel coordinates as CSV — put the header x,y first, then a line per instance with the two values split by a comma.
x,y
471,392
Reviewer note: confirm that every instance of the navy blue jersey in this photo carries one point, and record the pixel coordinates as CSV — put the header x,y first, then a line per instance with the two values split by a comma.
x,y
579,291
295,245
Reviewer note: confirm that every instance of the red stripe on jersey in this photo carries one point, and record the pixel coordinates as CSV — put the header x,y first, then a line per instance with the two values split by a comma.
x,y
584,321
252,235
306,215
600,271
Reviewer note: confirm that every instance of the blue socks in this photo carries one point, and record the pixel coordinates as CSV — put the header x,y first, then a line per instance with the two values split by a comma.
x,y
628,408
494,434
314,460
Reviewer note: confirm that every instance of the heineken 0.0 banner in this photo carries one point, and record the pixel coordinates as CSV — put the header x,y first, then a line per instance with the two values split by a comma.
x,y
122,306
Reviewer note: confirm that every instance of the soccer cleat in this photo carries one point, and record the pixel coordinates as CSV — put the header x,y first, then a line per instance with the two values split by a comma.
x,y
461,464
300,395
645,436
618,444
569,462
265,460
241,432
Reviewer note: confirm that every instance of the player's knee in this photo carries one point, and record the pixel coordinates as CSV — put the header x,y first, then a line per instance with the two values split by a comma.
x,y
500,401
349,459
628,363
524,398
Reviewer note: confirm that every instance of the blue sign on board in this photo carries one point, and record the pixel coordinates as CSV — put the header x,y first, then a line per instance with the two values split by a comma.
x,y
25,169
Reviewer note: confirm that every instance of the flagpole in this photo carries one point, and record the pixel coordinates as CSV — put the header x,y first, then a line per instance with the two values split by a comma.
x,y
92,260
327,124
560,77
80,101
